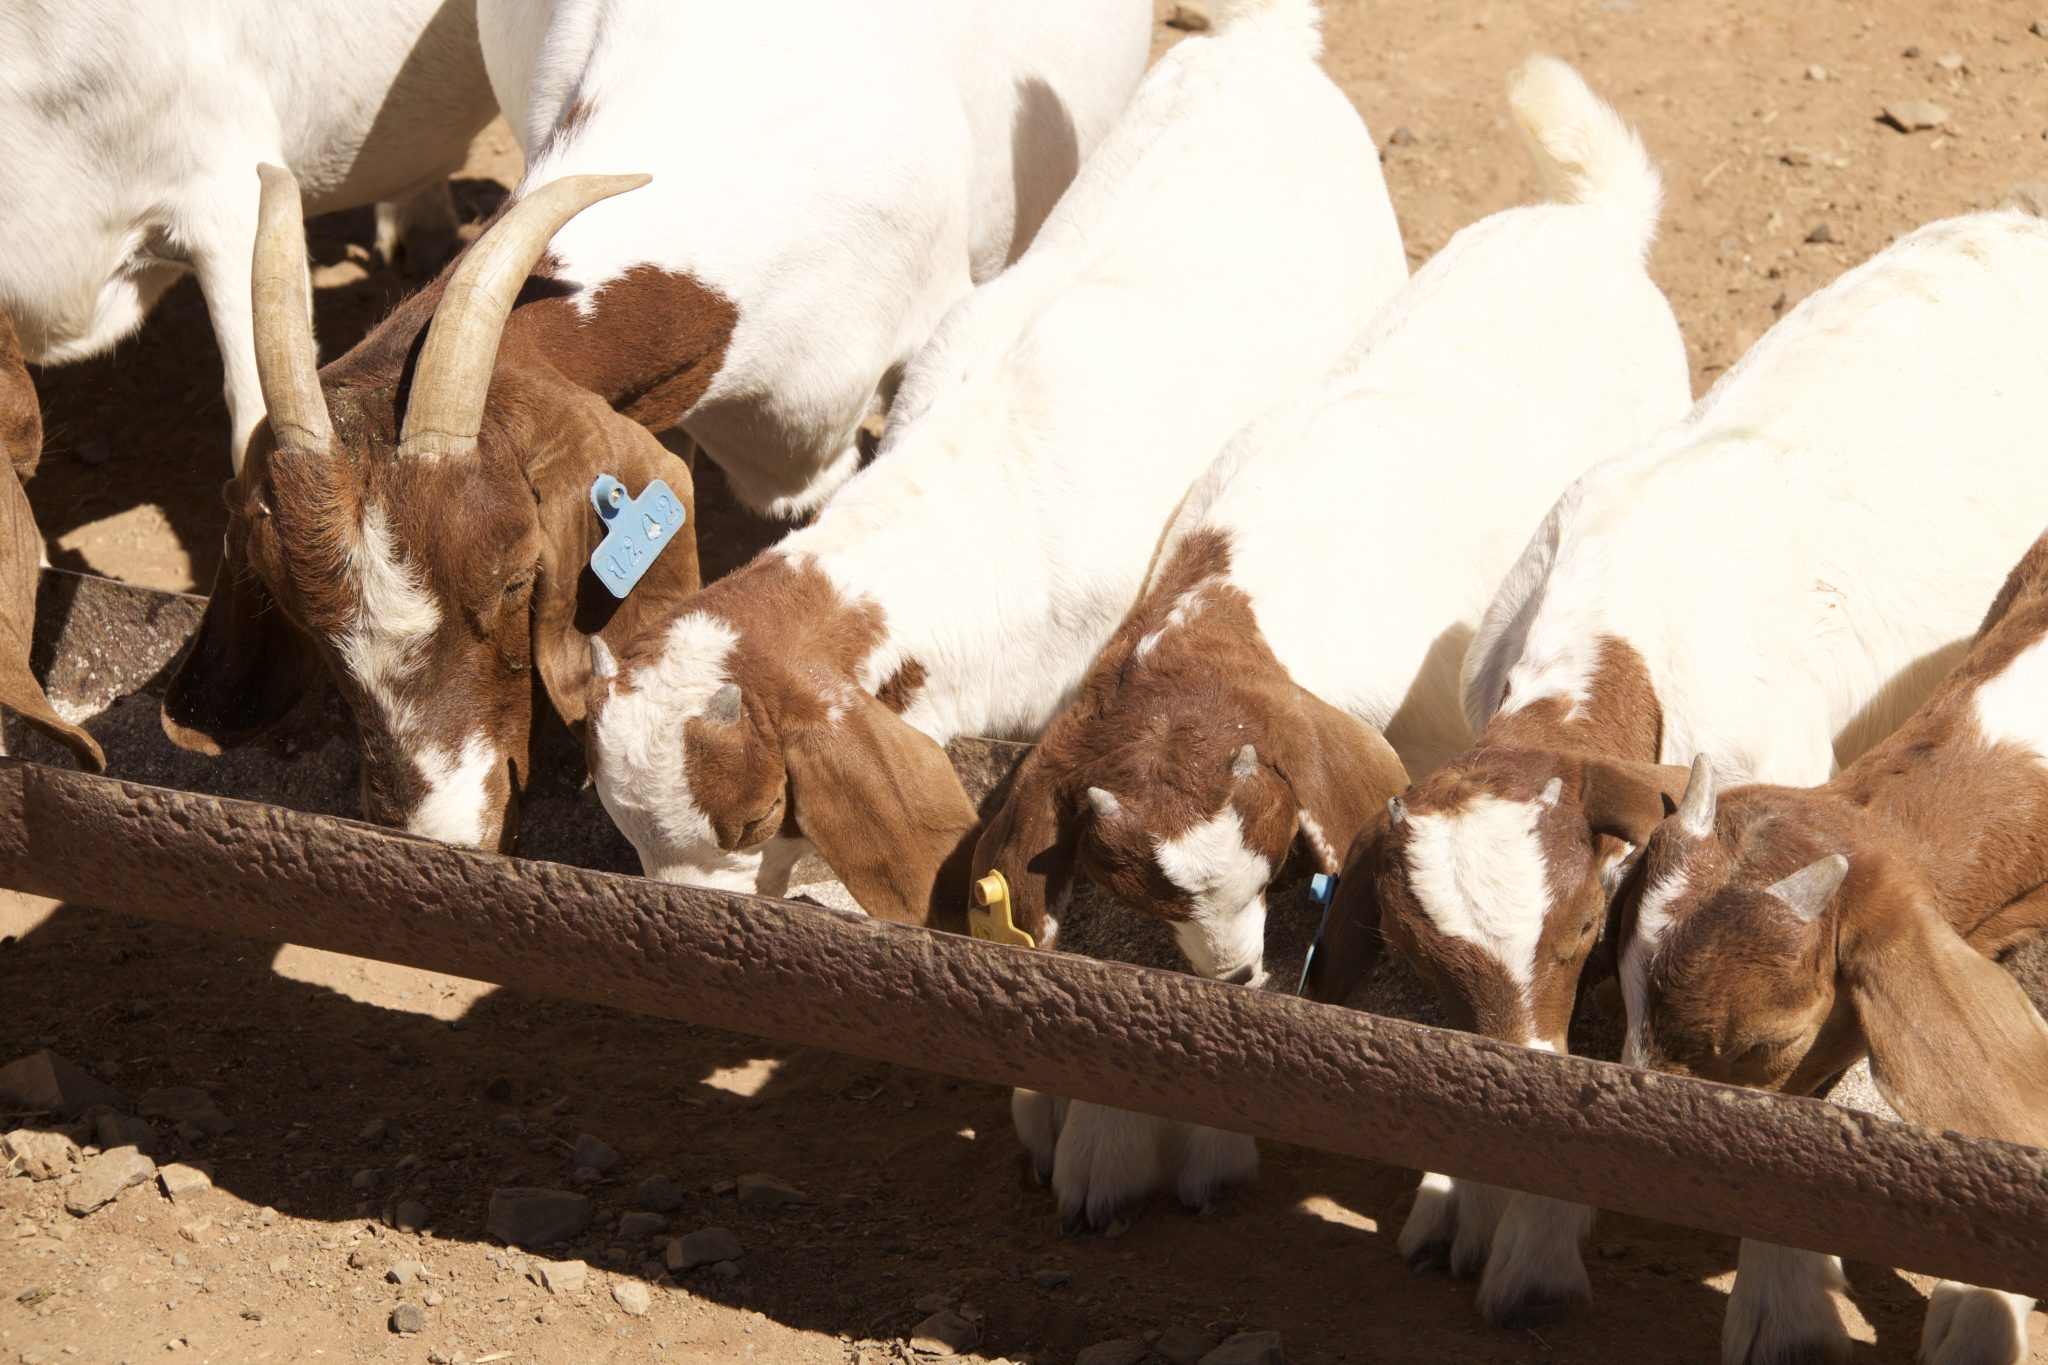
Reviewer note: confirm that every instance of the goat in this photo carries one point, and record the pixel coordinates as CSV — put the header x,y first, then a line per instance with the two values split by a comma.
x,y
1773,936
418,523
131,143
1232,712
1224,244
1735,588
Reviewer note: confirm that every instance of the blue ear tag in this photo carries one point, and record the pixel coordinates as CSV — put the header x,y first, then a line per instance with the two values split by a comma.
x,y
638,530
1322,889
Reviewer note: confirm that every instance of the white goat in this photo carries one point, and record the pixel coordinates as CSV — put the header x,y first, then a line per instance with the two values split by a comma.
x,y
1225,243
133,137
1775,583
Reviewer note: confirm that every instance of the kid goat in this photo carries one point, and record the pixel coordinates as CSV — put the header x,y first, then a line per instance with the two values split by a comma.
x,y
829,179
1736,589
1773,936
1232,711
1226,241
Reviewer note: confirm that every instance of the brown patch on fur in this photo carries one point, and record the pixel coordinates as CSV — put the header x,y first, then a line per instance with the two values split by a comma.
x,y
573,118
1619,717
649,341
901,687
21,416
1159,727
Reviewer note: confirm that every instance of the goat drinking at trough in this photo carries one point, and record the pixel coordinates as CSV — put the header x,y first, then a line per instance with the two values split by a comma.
x,y
417,520
1228,239
1737,588
1241,704
1773,936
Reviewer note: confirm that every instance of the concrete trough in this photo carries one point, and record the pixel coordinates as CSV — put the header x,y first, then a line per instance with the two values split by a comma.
x,y
1798,1172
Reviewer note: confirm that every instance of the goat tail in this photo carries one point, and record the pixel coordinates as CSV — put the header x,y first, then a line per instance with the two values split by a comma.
x,y
1584,151
1303,18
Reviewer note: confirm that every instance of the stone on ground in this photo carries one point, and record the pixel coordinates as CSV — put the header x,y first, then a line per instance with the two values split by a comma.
x,y
45,1081
593,1154
945,1333
104,1177
766,1191
1181,1347
1122,1351
706,1246
182,1182
529,1217
632,1296
659,1194
1248,1348
38,1155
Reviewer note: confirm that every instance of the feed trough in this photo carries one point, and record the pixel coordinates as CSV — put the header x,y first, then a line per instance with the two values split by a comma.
x,y
257,845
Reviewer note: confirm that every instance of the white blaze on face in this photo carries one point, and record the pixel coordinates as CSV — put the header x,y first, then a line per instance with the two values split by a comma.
x,y
1226,935
458,790
1478,873
639,766
1653,918
2009,706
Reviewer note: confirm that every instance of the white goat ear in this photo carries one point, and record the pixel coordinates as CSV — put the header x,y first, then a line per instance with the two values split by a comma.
x,y
602,665
1106,805
724,706
1244,764
1696,807
1809,890
1552,790
1397,810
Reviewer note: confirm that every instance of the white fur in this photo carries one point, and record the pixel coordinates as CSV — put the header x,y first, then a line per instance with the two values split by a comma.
x,y
1970,1326
1653,917
1326,853
1226,934
1534,1257
455,808
1479,874
1209,1161
1106,1162
1783,1307
1060,411
132,144
843,173
2009,706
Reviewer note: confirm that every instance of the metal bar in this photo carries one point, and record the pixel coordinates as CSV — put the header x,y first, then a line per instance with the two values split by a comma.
x,y
1798,1172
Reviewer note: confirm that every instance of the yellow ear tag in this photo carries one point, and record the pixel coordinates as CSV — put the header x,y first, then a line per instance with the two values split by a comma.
x,y
991,917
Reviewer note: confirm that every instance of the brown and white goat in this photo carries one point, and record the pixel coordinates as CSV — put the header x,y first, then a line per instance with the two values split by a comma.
x,y
1773,936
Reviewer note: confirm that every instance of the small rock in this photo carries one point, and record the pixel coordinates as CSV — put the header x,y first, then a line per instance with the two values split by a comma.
x,y
1051,1279
1950,61
1190,16
182,1182
252,1315
765,1191
267,1216
2031,195
640,1223
360,1258
1913,116
528,1217
45,1081
706,1246
180,1261
1182,1347
373,1133
1816,72
593,1155
182,1105
658,1193
586,1175
39,1155
726,1270
1911,52
111,1128
104,1177
280,1264
561,1277
365,1179
407,1215
2039,28
1403,136
1248,1348
1122,1351
945,1333
196,1230
632,1296
408,1318
432,1298
404,1272
1612,1251
1820,234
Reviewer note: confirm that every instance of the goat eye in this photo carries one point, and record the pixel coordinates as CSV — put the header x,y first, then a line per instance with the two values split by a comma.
x,y
517,586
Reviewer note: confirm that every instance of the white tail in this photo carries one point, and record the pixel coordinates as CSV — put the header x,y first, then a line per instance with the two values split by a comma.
x,y
1304,17
1584,151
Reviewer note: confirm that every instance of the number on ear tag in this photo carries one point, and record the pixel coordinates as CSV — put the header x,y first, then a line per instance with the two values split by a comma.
x,y
638,530
990,918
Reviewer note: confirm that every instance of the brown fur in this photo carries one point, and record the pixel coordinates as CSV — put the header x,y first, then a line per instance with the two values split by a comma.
x,y
1161,733
502,538
1946,836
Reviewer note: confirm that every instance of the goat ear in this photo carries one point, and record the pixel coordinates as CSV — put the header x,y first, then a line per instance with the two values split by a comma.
x,y
1954,1041
1342,771
570,605
1030,840
246,668
19,691
1350,943
886,810
1626,800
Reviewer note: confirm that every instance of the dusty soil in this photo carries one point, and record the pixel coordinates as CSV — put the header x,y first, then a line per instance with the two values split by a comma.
x,y
917,1198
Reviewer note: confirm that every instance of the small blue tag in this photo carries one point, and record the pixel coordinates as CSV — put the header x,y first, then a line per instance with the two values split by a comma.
x,y
639,529
1322,889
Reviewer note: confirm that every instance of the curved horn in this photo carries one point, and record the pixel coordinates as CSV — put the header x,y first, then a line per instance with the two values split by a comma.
x,y
446,409
287,363
1696,807
1397,811
1809,890
1105,803
1244,763
724,706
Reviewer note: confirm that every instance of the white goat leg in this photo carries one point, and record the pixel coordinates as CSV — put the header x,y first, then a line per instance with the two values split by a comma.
x,y
1971,1326
1106,1162
1037,1117
1534,1271
1210,1162
1782,1310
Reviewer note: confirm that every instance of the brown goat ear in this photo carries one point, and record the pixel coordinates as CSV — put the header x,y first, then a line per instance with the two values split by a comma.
x,y
246,668
19,691
1349,944
883,806
1342,772
1030,840
1954,1041
570,605
1627,799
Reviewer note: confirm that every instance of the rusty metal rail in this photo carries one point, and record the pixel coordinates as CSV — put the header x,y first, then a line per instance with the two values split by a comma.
x,y
1797,1172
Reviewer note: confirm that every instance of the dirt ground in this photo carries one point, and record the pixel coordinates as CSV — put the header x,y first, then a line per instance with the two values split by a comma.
x,y
1766,123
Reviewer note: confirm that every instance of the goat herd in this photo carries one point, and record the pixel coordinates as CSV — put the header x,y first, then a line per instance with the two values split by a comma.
x,y
1183,477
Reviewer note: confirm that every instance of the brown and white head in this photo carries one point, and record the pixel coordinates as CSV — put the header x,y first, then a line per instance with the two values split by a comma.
x,y
1491,876
1179,782
417,522
727,736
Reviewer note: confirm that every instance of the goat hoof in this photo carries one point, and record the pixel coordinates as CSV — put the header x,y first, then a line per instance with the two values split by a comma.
x,y
1430,1256
1467,1258
1537,1310
1073,1224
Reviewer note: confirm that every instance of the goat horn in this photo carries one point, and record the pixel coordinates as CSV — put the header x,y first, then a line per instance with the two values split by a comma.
x,y
724,706
1244,763
287,364
1397,810
446,410
1696,807
1105,803
1809,890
